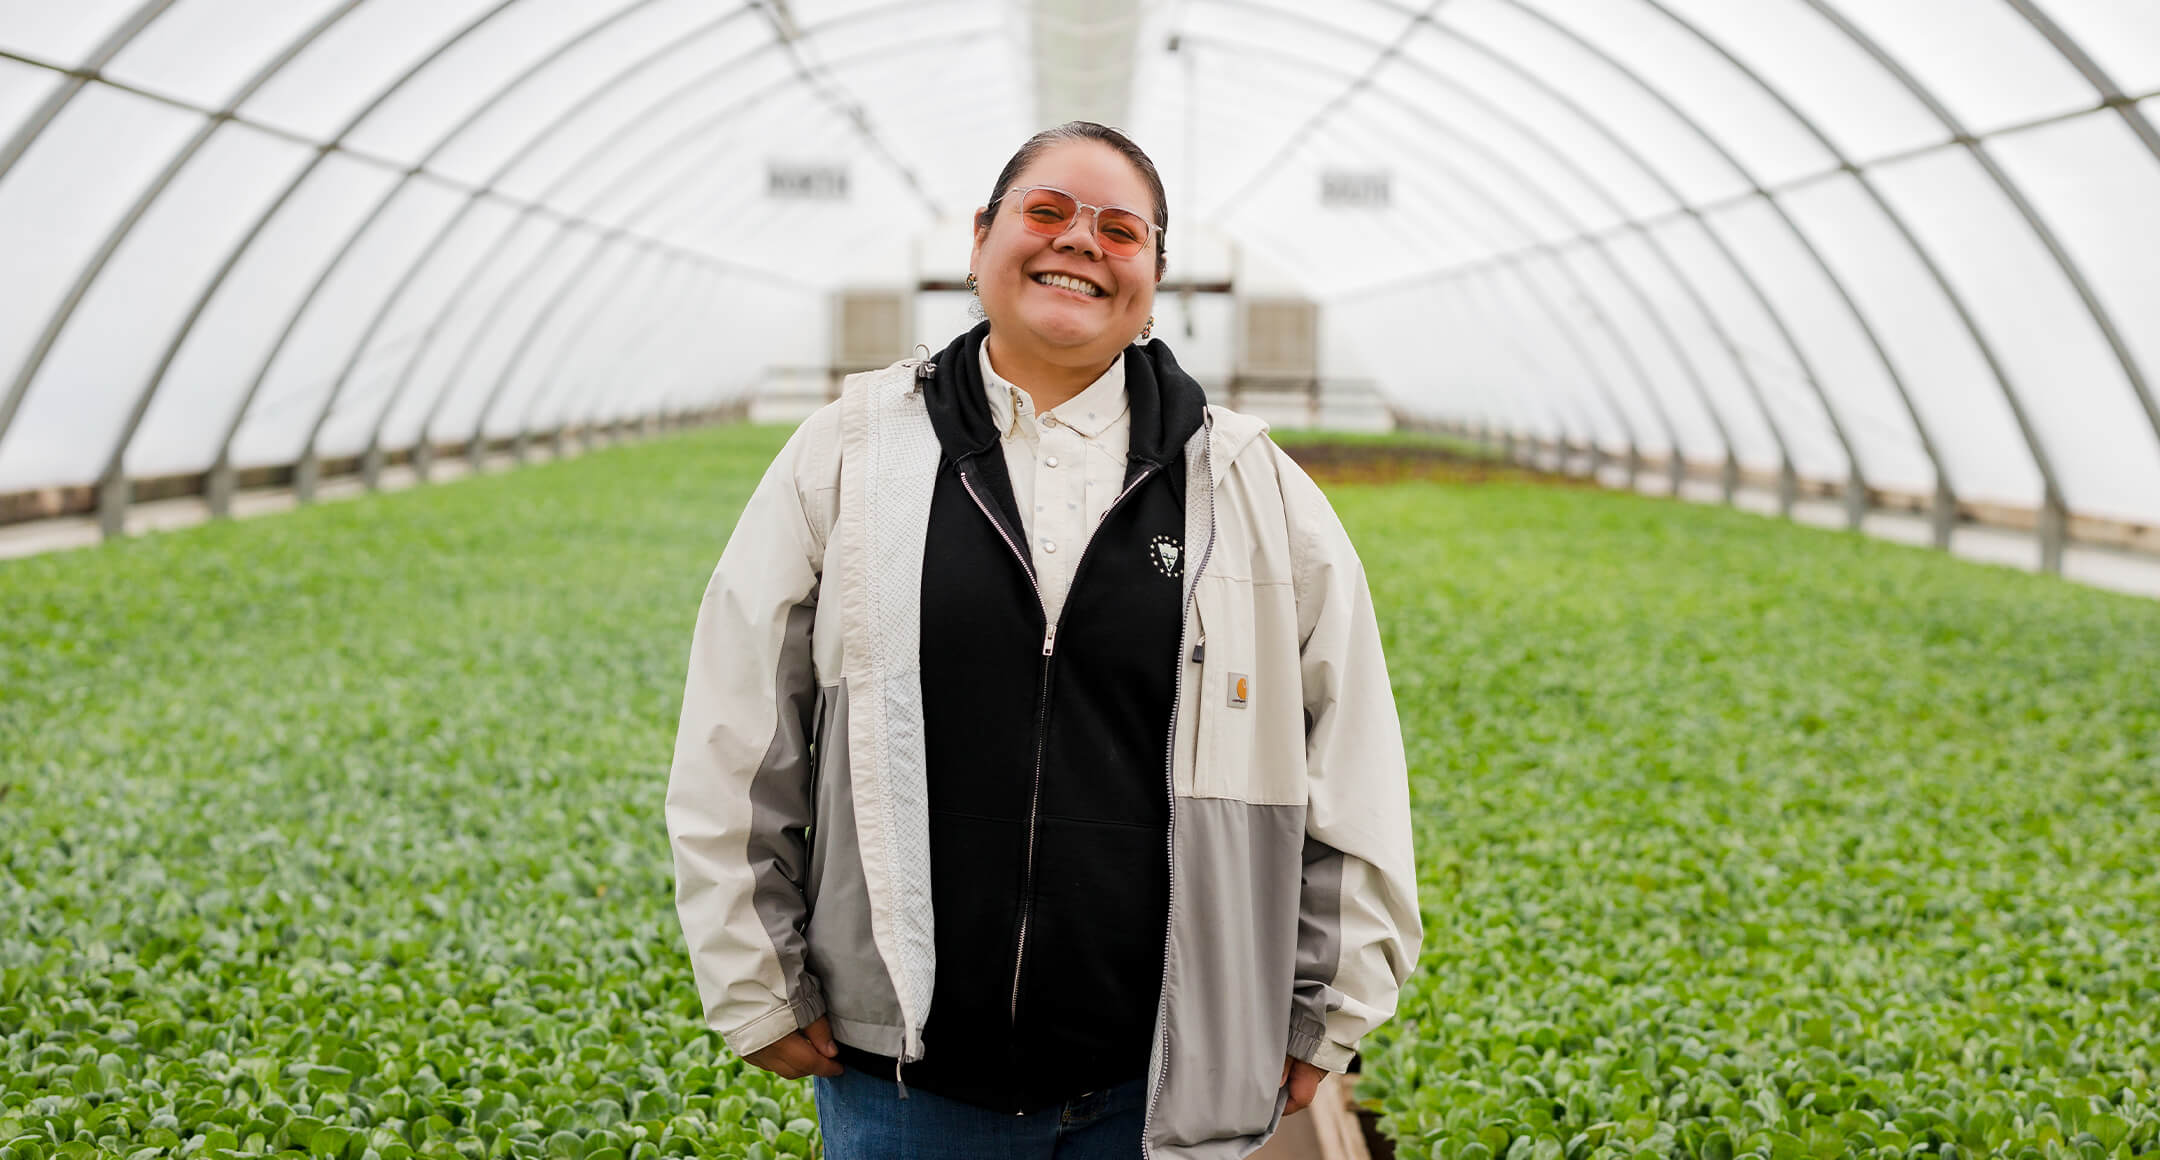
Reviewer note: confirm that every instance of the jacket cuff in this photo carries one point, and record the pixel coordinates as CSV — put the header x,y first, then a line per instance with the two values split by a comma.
x,y
1309,1042
776,1024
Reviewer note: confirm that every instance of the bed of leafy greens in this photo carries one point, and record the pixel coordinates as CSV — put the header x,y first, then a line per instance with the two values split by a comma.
x,y
339,832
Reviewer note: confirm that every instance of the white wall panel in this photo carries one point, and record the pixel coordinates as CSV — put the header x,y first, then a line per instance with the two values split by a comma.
x,y
203,51
1846,365
1721,374
341,73
1507,373
565,84
575,389
1549,118
1581,390
381,378
1649,127
1659,358
298,379
2100,441
101,362
1982,60
2098,189
22,88
495,343
698,64
1615,350
473,70
1791,402
568,301
60,32
1820,70
229,342
1955,392
2122,36
1714,94
57,206
1415,377
436,362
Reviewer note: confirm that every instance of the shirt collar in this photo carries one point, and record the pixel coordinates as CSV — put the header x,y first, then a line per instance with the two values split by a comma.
x,y
1091,412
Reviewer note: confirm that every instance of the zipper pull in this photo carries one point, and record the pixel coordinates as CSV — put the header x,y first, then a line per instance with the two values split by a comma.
x,y
1199,651
1049,639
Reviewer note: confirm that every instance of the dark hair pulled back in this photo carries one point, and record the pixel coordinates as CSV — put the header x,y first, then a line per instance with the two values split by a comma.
x,y
1086,131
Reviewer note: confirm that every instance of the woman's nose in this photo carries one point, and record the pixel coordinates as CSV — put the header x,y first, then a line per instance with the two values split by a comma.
x,y
1080,235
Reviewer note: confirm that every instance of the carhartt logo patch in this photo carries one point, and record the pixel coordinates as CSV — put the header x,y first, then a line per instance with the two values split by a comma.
x,y
1166,553
1237,690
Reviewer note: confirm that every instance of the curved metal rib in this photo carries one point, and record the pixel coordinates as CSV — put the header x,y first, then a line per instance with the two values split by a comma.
x,y
2055,512
49,335
262,221
2111,95
473,200
678,95
304,484
1545,146
45,114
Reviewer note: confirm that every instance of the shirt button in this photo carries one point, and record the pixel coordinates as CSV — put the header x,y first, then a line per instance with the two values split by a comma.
x,y
1049,545
1050,462
1049,420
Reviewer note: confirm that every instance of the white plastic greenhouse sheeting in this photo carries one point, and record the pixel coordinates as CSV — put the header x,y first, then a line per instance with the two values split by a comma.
x,y
1903,240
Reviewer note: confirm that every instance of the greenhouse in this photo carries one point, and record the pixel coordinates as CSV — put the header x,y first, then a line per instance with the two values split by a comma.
x,y
1736,430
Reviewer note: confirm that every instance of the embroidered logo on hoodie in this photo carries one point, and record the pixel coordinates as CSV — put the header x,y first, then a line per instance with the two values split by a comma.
x,y
1165,551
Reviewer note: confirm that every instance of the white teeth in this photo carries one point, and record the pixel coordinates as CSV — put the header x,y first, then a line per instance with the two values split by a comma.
x,y
1063,282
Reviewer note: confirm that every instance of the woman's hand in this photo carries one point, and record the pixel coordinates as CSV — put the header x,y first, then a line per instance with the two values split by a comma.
x,y
800,1053
1303,1080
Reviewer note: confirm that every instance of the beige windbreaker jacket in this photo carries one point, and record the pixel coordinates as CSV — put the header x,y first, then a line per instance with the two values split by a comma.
x,y
796,803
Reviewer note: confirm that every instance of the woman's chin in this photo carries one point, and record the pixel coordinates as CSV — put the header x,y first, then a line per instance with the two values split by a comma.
x,y
1064,326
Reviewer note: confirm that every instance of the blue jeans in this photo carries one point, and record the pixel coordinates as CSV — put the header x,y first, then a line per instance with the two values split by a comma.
x,y
862,1117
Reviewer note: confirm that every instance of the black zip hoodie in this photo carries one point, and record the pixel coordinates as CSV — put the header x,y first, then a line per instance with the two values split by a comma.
x,y
1048,757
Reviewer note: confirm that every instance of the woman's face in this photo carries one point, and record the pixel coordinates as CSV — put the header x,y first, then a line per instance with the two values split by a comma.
x,y
1052,323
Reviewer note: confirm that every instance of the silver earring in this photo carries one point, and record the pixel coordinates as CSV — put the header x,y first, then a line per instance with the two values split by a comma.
x,y
972,287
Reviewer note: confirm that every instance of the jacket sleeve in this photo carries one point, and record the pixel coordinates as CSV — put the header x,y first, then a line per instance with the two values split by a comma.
x,y
739,790
1358,921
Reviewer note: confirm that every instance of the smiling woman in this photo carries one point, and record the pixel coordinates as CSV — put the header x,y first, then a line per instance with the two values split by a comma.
x,y
1067,284
986,782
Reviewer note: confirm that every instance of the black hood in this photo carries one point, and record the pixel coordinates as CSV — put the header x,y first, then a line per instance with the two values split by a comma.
x,y
1167,404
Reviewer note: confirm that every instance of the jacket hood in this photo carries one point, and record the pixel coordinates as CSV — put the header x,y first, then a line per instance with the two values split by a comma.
x,y
1166,403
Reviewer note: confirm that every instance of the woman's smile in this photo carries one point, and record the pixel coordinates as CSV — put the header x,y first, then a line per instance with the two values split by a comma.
x,y
1071,284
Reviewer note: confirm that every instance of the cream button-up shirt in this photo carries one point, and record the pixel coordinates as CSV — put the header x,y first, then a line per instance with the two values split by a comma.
x,y
1067,465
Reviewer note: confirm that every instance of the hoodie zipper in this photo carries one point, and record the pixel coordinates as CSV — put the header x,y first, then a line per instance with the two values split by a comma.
x,y
1042,708
1177,700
